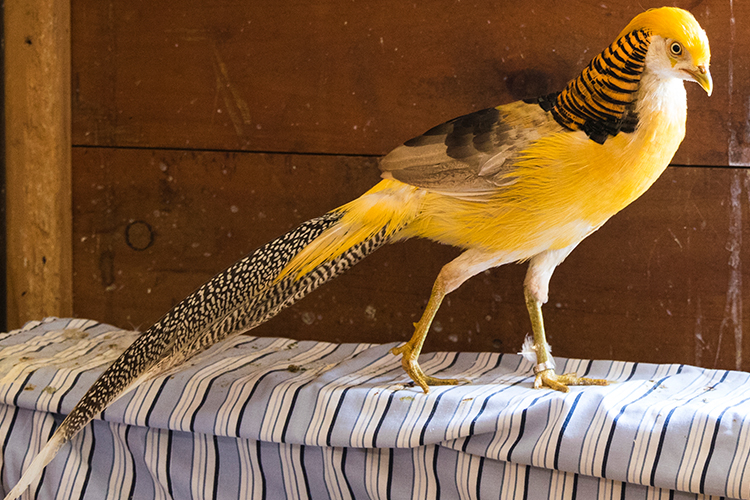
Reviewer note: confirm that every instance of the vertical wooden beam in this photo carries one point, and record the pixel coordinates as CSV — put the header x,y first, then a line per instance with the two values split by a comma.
x,y
38,159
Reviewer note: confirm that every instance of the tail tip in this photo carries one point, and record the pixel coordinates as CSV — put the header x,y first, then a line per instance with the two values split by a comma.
x,y
35,469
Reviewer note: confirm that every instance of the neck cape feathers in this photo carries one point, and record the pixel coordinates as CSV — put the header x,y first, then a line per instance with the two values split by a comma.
x,y
601,101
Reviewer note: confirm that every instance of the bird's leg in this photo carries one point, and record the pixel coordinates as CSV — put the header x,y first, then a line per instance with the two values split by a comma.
x,y
410,351
451,276
535,292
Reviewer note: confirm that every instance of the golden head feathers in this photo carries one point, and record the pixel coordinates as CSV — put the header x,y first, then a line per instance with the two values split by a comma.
x,y
687,41
675,23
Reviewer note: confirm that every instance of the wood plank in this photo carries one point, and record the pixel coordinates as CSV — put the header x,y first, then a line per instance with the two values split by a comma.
x,y
357,77
661,282
37,162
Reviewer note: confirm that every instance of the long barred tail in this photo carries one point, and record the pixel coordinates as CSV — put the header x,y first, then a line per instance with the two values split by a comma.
x,y
250,292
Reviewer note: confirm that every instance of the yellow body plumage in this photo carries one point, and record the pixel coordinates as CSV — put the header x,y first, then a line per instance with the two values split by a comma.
x,y
563,187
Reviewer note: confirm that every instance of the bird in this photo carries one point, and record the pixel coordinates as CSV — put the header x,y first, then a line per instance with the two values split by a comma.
x,y
521,182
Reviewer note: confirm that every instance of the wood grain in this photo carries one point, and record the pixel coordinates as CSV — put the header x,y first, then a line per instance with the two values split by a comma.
x,y
343,77
38,159
661,282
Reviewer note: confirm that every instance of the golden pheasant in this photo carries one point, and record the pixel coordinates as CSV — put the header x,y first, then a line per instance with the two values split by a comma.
x,y
525,181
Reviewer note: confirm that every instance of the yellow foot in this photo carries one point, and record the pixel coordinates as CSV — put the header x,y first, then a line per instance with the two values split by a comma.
x,y
412,368
548,378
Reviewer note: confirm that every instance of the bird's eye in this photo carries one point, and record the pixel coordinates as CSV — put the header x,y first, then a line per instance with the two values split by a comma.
x,y
675,48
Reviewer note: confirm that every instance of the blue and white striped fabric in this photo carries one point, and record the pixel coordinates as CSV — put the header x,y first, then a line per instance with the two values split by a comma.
x,y
272,418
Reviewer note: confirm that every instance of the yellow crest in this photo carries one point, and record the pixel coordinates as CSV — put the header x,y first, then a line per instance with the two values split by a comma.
x,y
676,24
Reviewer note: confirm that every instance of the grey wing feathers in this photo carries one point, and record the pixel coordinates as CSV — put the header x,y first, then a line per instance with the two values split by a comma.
x,y
468,156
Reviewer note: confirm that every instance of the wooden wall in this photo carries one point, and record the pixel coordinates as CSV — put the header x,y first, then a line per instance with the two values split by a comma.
x,y
36,172
202,129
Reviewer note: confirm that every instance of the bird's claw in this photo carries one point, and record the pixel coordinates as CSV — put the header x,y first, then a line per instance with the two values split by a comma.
x,y
412,368
548,378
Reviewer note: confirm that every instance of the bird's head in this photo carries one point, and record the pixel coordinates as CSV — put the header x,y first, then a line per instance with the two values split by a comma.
x,y
679,46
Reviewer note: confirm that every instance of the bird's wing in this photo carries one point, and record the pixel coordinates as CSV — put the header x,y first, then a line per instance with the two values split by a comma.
x,y
470,156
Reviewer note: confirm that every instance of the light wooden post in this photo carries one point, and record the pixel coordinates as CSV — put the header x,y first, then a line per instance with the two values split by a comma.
x,y
38,159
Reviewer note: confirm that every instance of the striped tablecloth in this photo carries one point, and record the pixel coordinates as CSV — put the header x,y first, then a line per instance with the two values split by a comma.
x,y
272,418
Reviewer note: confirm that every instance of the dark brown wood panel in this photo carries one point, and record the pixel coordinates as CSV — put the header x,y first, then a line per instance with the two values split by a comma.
x,y
337,76
661,282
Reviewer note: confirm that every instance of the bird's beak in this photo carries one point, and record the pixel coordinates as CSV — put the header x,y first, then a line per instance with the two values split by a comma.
x,y
702,76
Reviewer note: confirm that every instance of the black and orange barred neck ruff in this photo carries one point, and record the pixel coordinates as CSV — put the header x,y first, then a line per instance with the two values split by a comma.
x,y
601,100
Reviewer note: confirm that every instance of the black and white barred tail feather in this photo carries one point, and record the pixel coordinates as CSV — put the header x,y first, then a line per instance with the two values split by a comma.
x,y
234,301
